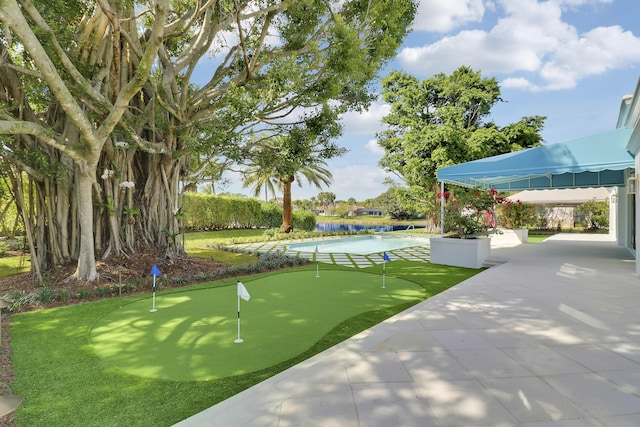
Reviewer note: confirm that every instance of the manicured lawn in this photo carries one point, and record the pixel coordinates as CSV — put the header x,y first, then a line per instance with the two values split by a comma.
x,y
14,265
537,238
68,378
197,244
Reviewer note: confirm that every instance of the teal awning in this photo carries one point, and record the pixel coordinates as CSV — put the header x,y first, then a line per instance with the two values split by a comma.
x,y
593,161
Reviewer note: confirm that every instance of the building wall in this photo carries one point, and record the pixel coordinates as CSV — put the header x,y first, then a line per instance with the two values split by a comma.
x,y
629,117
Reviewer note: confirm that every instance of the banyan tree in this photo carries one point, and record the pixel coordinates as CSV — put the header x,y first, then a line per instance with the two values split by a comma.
x,y
109,107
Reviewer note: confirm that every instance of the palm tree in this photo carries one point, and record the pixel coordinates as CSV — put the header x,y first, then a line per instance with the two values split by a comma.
x,y
298,151
259,176
315,174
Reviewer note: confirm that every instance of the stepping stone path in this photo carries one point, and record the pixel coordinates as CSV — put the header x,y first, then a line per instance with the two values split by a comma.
x,y
415,253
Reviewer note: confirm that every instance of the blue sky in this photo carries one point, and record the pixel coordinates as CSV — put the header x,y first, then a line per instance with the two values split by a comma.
x,y
569,60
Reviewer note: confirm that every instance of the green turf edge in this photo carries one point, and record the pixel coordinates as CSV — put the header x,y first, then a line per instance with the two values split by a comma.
x,y
65,383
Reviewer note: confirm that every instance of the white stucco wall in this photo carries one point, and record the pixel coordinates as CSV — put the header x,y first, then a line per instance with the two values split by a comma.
x,y
629,117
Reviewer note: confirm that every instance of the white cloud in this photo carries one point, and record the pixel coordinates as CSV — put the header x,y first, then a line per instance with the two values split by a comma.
x,y
574,3
367,122
358,181
532,41
444,16
374,148
597,51
518,83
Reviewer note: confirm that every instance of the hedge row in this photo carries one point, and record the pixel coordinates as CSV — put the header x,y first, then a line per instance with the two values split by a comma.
x,y
208,212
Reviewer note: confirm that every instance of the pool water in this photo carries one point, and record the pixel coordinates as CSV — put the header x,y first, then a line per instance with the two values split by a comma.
x,y
359,245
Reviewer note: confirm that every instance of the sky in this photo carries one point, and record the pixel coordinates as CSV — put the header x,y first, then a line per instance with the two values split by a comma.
x,y
569,60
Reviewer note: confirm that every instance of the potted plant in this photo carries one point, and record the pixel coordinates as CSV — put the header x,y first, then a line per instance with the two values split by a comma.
x,y
469,216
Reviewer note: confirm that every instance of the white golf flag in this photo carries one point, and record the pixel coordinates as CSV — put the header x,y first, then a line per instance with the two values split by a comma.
x,y
242,292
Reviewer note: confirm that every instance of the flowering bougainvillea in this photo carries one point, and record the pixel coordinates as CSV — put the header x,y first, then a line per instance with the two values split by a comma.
x,y
469,213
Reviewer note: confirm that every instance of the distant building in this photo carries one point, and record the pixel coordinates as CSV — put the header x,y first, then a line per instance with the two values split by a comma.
x,y
369,212
561,204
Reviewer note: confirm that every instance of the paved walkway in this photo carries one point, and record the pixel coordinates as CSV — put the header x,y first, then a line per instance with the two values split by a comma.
x,y
415,253
550,338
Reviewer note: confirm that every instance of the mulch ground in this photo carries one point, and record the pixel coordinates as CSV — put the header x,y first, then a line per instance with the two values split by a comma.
x,y
113,272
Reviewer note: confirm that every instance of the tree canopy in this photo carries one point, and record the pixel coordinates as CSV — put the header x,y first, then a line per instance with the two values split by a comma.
x,y
100,111
443,121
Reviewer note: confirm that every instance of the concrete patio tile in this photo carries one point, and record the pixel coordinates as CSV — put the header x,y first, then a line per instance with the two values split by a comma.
x,y
361,261
629,349
632,420
425,366
582,422
407,340
376,368
464,403
392,404
531,399
456,339
342,259
324,372
269,416
325,406
629,381
504,337
595,395
551,338
542,360
377,258
589,335
490,363
412,258
438,320
597,358
483,320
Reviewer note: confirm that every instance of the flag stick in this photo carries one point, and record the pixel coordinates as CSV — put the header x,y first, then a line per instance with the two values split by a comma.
x,y
384,270
153,299
238,340
241,292
154,272
317,263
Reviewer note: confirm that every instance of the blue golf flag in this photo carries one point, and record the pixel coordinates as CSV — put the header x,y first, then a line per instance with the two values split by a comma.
x,y
385,257
155,271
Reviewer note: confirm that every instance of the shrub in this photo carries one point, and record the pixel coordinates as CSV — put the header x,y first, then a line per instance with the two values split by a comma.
x,y
45,295
64,295
209,212
271,215
517,214
266,262
304,220
594,214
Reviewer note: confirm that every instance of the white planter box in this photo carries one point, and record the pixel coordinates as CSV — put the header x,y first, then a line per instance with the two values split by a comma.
x,y
522,233
510,237
469,253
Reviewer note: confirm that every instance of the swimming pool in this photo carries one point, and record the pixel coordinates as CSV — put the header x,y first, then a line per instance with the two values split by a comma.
x,y
359,245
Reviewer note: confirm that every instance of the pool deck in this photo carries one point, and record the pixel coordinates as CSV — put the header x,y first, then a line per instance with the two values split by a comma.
x,y
414,253
549,338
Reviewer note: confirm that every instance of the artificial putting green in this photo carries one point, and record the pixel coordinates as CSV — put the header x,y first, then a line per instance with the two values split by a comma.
x,y
191,335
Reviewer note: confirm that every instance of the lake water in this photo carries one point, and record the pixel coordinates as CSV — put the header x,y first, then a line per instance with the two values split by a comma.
x,y
362,245
354,228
